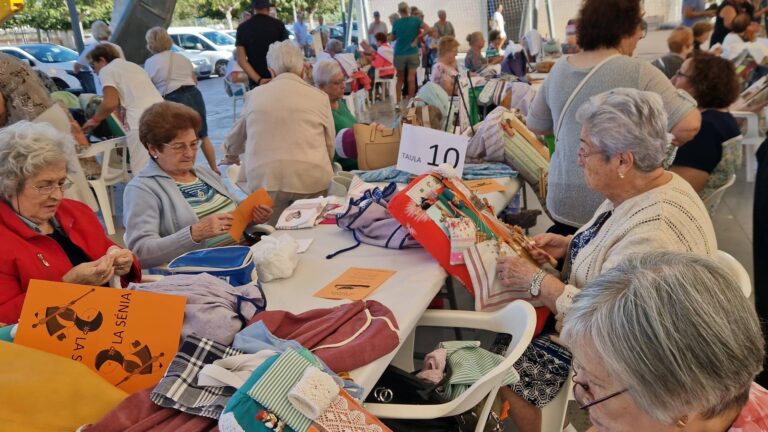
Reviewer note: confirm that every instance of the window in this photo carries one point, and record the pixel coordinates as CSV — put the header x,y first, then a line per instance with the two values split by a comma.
x,y
190,42
49,53
15,54
219,38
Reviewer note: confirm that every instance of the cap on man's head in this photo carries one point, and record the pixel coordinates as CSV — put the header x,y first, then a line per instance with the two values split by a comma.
x,y
261,4
376,14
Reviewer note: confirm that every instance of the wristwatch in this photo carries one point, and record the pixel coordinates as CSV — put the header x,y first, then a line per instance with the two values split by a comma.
x,y
538,277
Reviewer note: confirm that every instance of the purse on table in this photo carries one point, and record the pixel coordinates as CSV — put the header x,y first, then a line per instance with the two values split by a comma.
x,y
376,148
233,264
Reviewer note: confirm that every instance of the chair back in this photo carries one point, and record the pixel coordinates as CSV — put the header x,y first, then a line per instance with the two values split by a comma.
x,y
736,270
103,151
714,197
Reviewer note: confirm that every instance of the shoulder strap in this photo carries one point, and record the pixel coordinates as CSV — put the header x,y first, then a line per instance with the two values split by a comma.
x,y
576,91
168,74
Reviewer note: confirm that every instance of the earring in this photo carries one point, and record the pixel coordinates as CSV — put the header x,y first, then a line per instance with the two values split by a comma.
x,y
682,422
155,156
621,175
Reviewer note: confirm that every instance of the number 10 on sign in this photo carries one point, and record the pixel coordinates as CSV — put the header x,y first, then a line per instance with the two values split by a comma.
x,y
423,150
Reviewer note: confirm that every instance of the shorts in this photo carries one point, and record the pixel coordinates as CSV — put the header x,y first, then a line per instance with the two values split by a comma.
x,y
403,62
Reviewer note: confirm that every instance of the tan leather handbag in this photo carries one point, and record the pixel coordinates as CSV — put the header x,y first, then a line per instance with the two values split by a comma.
x,y
376,148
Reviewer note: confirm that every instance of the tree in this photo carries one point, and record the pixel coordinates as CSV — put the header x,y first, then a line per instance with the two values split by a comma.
x,y
53,14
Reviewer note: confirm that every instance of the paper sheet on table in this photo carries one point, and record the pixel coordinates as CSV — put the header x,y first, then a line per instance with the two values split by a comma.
x,y
484,186
355,284
303,245
243,214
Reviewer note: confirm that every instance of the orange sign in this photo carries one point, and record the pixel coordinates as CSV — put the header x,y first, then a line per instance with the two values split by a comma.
x,y
127,337
355,284
482,187
243,214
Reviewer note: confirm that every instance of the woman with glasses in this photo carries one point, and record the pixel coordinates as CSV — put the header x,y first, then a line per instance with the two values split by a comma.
x,y
705,162
45,236
608,32
174,206
645,208
667,342
329,78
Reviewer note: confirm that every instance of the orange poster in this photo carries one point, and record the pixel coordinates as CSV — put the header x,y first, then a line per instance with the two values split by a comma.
x,y
355,284
243,214
127,337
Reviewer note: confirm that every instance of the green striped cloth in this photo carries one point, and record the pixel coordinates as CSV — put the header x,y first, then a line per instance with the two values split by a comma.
x,y
468,364
206,201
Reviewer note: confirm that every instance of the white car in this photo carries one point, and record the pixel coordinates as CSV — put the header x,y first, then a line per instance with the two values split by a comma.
x,y
202,66
214,45
55,61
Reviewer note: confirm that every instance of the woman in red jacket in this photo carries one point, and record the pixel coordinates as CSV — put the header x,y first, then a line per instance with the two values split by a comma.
x,y
45,236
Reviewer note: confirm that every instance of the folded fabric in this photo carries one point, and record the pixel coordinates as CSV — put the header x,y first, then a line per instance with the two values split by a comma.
x,y
215,309
257,337
344,414
179,389
313,393
47,392
276,256
488,142
232,371
434,366
471,172
138,413
344,337
469,363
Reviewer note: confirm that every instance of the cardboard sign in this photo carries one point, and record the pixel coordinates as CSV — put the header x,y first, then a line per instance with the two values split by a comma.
x,y
485,186
355,284
127,337
243,214
423,149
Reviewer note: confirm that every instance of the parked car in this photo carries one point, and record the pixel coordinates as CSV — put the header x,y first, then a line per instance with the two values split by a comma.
x,y
53,60
200,63
214,45
337,32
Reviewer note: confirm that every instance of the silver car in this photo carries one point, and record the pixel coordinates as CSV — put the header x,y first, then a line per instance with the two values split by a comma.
x,y
201,64
53,60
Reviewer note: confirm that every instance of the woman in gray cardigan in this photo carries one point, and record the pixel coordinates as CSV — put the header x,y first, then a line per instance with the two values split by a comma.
x,y
173,206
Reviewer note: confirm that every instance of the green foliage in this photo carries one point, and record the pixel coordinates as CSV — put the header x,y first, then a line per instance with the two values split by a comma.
x,y
53,14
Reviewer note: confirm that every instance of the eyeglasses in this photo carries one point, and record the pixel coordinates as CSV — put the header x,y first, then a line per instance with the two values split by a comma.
x,y
644,29
585,402
48,190
179,147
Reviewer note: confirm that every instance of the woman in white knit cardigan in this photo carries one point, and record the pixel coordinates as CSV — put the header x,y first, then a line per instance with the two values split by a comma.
x,y
623,145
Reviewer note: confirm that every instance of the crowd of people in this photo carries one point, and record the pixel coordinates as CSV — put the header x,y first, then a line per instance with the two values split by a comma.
x,y
655,334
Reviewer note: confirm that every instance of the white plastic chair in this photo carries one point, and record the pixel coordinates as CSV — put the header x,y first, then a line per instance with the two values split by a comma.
x,y
517,318
109,176
238,91
753,137
388,85
713,200
736,270
351,101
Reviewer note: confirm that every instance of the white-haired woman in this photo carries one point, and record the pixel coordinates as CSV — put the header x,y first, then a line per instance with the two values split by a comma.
x,y
666,342
174,77
100,32
646,208
45,236
286,133
329,78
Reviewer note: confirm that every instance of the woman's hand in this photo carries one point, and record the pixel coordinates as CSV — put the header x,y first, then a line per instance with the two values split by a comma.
x,y
261,214
91,124
211,226
96,273
516,273
123,260
548,243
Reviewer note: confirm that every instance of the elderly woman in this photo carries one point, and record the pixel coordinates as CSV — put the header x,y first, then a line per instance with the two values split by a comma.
x,y
174,77
286,132
334,47
646,208
45,236
444,71
100,32
608,32
173,206
125,84
704,162
667,342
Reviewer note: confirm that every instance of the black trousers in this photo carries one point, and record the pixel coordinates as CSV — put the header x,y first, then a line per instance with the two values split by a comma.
x,y
760,246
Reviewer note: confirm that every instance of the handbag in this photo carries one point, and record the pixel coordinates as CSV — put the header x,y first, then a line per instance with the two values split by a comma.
x,y
376,148
423,116
233,264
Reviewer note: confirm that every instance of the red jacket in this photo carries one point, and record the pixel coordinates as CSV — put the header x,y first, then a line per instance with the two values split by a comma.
x,y
26,254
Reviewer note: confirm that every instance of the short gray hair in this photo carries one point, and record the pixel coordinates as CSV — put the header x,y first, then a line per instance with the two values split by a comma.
x,y
334,47
675,329
441,13
158,40
284,57
100,30
402,7
25,149
627,120
324,71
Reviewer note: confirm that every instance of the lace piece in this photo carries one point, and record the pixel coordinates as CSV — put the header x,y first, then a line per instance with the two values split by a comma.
x,y
339,417
313,393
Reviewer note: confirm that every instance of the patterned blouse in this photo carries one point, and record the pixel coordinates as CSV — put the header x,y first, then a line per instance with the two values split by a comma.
x,y
206,201
24,94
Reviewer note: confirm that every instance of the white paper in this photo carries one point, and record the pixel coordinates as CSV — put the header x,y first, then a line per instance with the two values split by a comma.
x,y
423,150
304,245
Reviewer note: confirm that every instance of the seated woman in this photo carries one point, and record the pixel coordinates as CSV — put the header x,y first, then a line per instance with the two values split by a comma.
x,y
382,59
475,61
494,53
446,68
623,143
704,162
45,236
334,47
174,206
667,342
329,78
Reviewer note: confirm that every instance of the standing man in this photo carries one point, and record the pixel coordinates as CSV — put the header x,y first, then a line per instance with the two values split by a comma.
x,y
444,27
406,31
497,23
301,34
377,26
323,30
253,40
695,11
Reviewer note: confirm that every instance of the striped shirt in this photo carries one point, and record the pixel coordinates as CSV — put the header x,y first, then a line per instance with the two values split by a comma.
x,y
206,201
